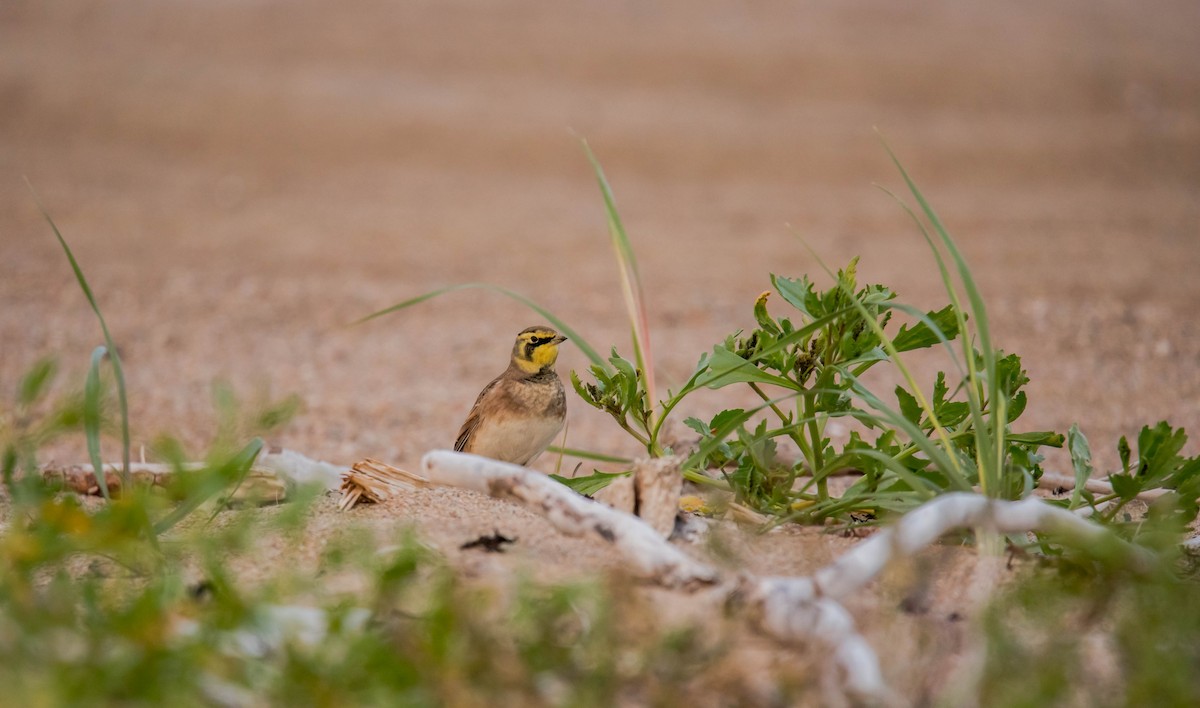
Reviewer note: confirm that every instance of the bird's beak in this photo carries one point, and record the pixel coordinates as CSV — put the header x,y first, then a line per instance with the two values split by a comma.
x,y
559,339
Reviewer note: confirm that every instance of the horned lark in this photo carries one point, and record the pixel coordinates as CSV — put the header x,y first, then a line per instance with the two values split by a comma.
x,y
520,411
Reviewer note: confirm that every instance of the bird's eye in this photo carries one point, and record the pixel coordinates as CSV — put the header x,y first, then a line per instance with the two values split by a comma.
x,y
535,341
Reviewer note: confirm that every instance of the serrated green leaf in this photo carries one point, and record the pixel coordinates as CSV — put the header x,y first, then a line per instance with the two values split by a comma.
x,y
697,425
940,389
589,485
1158,449
722,419
1009,374
799,294
1016,406
921,335
952,412
909,407
727,368
1125,486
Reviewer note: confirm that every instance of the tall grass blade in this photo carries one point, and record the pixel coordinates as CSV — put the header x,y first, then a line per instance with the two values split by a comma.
x,y
991,443
231,472
631,283
953,468
556,321
588,455
93,402
113,356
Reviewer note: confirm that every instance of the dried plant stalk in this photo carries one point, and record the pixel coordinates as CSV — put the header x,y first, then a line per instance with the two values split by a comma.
x,y
374,481
267,482
1095,486
657,486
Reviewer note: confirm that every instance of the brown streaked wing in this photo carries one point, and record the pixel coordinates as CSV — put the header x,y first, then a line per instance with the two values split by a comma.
x,y
472,421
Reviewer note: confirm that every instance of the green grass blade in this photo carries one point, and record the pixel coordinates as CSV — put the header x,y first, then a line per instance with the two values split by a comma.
x,y
588,455
230,472
944,456
990,445
554,320
113,356
93,402
631,282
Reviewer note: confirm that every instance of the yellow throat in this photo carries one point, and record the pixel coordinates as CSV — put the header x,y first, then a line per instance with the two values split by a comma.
x,y
536,349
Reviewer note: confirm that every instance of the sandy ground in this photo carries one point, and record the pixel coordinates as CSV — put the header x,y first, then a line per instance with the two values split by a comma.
x,y
242,179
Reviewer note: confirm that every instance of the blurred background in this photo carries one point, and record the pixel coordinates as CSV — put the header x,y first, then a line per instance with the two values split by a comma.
x,y
241,179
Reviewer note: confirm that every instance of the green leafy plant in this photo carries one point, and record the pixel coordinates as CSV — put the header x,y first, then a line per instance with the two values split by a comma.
x,y
808,367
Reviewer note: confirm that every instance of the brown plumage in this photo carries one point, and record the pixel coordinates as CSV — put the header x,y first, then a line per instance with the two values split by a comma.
x,y
521,411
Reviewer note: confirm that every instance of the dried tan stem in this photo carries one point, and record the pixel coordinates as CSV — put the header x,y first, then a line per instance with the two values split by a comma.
x,y
1095,486
373,481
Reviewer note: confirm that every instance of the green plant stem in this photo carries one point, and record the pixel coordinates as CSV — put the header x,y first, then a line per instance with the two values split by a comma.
x,y
645,442
818,455
787,422
700,478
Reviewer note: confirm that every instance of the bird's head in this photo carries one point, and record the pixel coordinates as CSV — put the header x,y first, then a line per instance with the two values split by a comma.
x,y
536,349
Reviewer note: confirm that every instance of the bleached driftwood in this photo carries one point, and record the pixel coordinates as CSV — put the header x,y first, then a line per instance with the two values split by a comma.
x,y
797,609
571,513
924,525
269,478
657,486
776,609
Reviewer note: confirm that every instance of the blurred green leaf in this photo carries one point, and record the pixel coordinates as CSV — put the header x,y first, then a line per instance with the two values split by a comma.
x,y
589,485
93,402
1081,460
35,383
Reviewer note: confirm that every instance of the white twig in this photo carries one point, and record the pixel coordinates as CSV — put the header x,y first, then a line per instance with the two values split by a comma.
x,y
927,523
779,607
1095,486
571,514
284,467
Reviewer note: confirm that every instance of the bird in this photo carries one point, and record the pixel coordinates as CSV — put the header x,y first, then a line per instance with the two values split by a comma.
x,y
521,411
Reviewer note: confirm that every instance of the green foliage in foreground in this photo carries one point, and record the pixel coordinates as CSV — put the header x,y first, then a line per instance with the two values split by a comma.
x,y
96,607
143,600
1072,635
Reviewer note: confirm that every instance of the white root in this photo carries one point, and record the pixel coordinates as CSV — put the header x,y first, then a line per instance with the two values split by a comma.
x,y
927,523
797,609
271,476
777,607
789,609
571,514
